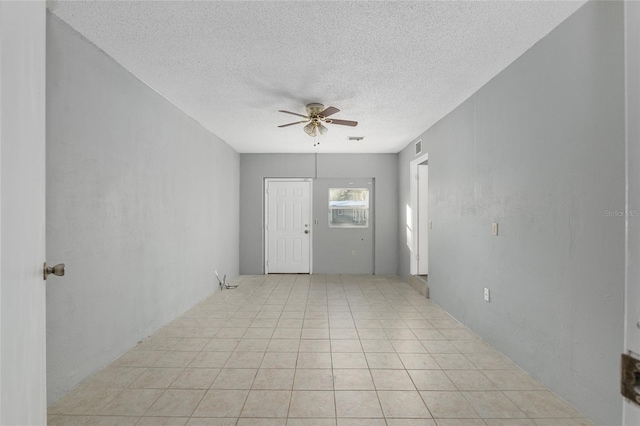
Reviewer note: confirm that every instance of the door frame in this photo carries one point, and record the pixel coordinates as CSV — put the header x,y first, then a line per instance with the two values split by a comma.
x,y
412,216
630,411
265,219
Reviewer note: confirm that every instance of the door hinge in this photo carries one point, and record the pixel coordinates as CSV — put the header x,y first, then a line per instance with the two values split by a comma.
x,y
630,378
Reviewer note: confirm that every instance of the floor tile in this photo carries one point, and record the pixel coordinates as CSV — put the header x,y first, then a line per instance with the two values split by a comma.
x,y
343,334
221,403
346,421
132,402
114,377
191,344
279,360
156,378
384,360
266,403
453,362
283,345
448,404
563,422
314,360
470,380
112,421
314,350
311,345
439,347
176,402
513,422
310,422
195,378
490,361
357,404
431,380
403,404
312,404
234,378
392,380
419,362
274,378
210,360
349,360
492,404
313,379
222,344
244,360
352,379
175,359
162,421
346,345
248,421
377,346
410,422
537,404
138,358
60,420
408,346
512,380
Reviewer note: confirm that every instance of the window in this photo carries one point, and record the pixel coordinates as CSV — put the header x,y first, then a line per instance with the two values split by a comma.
x,y
348,208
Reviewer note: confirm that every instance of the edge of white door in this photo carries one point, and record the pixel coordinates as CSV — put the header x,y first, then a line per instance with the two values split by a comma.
x,y
23,390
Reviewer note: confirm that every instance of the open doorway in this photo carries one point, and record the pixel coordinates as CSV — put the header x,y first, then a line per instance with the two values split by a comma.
x,y
418,216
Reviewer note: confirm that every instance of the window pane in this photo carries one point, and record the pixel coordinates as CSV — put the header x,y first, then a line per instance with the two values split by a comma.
x,y
348,208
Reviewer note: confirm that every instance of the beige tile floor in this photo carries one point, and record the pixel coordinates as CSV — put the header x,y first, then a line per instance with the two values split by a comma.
x,y
339,350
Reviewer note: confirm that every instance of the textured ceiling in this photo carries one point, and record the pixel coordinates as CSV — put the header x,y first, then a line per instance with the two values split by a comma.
x,y
395,67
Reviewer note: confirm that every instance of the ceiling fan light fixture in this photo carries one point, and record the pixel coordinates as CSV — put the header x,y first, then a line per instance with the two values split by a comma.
x,y
322,129
311,129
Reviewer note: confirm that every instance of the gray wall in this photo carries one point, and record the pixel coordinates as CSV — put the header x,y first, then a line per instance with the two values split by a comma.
x,y
254,168
334,248
539,149
142,205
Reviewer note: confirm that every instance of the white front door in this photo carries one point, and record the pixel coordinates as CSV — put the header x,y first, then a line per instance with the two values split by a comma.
x,y
288,226
631,410
23,391
423,220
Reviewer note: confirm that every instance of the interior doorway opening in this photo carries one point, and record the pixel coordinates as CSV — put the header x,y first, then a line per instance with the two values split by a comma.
x,y
418,216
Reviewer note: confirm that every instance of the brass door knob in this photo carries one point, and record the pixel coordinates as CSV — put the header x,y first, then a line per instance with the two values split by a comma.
x,y
55,270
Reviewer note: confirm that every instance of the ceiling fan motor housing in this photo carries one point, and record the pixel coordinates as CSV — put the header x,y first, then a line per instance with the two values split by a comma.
x,y
314,109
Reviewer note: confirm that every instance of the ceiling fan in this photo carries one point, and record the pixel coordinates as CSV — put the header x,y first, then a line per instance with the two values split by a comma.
x,y
316,115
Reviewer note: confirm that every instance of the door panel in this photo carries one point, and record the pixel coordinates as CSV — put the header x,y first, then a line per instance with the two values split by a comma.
x,y
288,217
423,220
631,411
341,250
23,394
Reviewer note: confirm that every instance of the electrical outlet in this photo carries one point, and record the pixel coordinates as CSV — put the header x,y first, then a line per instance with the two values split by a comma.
x,y
486,294
494,228
353,252
430,225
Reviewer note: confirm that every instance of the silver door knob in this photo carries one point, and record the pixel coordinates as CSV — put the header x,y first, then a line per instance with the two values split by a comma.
x,y
55,270
306,231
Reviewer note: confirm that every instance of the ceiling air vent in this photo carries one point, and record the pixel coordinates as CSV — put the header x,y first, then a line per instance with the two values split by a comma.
x,y
355,138
419,147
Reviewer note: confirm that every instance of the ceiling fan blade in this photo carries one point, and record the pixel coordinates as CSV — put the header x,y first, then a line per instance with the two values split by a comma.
x,y
344,122
291,124
329,111
293,113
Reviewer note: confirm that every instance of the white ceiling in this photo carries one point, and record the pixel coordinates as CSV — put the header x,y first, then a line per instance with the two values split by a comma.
x,y
395,67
